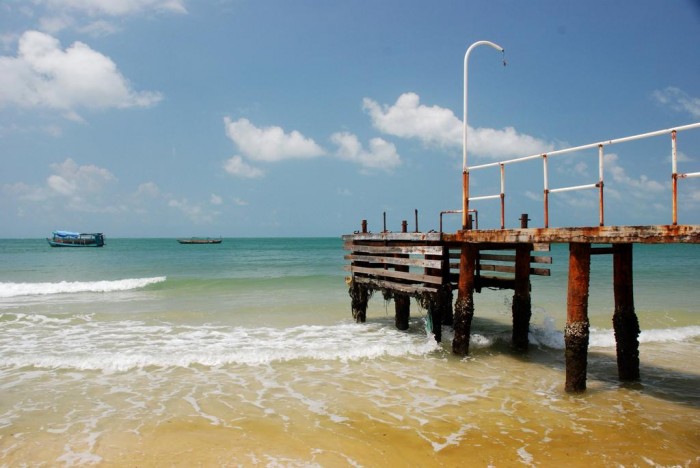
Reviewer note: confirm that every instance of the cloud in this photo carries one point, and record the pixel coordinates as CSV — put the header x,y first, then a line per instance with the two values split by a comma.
x,y
43,75
114,7
215,199
381,154
74,187
643,187
270,144
236,166
678,100
437,126
193,211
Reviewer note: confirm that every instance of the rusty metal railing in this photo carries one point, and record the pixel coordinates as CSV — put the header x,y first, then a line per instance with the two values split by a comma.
x,y
599,184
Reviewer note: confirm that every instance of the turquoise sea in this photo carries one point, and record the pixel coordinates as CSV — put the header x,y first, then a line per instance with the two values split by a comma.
x,y
150,353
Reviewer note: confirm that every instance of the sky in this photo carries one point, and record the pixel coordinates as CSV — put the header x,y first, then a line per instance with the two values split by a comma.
x,y
257,118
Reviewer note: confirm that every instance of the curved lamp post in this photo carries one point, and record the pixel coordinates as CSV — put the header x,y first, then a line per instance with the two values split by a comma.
x,y
465,173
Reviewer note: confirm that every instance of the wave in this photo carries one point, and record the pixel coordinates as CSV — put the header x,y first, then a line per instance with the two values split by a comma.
x,y
82,342
85,344
64,287
605,338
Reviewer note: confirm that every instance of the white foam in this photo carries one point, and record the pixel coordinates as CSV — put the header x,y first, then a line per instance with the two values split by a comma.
x,y
546,335
63,287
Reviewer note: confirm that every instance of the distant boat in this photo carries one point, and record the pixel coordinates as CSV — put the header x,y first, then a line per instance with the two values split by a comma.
x,y
200,240
76,239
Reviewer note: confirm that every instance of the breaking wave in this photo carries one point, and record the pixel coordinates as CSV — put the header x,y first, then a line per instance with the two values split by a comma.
x,y
63,287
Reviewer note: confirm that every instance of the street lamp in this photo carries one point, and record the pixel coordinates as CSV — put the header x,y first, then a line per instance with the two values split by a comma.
x,y
465,173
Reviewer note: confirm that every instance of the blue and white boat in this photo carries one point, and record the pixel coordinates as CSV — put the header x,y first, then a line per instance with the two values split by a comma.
x,y
76,239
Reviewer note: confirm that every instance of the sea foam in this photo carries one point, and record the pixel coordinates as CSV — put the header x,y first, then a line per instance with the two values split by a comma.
x,y
63,287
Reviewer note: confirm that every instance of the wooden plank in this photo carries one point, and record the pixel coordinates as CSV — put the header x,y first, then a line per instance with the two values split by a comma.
x,y
511,258
413,277
394,249
417,262
394,236
405,288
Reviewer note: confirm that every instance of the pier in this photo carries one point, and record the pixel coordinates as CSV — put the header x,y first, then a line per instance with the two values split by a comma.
x,y
432,266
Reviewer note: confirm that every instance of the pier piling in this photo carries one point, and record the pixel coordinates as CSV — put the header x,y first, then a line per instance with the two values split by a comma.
x,y
522,308
625,320
464,306
576,332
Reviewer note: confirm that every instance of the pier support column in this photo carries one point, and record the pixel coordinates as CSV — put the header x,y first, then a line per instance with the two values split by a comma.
x,y
402,306
625,320
359,296
577,326
464,306
433,303
522,307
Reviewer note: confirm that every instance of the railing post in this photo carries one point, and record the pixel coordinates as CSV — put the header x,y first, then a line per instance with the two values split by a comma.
x,y
546,192
503,196
364,226
674,179
601,208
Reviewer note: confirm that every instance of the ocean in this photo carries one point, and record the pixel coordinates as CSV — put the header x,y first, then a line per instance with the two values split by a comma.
x,y
150,353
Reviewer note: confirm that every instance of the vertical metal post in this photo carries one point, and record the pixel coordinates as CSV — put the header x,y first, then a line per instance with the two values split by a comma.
x,y
384,222
465,172
601,207
546,192
404,226
364,226
503,196
674,178
416,213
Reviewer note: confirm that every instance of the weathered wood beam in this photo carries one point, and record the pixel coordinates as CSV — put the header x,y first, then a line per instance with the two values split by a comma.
x,y
657,234
417,262
412,289
395,249
412,277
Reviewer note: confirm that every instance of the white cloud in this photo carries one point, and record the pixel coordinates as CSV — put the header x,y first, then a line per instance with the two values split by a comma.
x,y
240,202
215,199
643,187
407,118
44,75
74,187
192,210
270,144
73,181
114,7
148,189
434,125
678,100
381,154
236,166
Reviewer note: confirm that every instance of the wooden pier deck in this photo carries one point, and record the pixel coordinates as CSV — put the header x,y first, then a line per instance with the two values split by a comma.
x,y
431,266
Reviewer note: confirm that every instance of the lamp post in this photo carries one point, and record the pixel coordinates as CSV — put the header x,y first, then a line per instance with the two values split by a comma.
x,y
465,172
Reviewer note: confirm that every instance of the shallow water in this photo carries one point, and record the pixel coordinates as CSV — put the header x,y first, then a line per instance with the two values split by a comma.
x,y
149,354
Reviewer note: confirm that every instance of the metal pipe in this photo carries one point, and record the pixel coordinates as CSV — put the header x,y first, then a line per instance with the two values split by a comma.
x,y
601,206
465,171
674,179
572,188
591,145
483,197
546,191
503,196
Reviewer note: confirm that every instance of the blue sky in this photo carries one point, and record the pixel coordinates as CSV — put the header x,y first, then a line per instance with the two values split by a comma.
x,y
302,117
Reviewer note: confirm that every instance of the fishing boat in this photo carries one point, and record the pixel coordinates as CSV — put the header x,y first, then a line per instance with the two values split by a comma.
x,y
200,240
76,239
